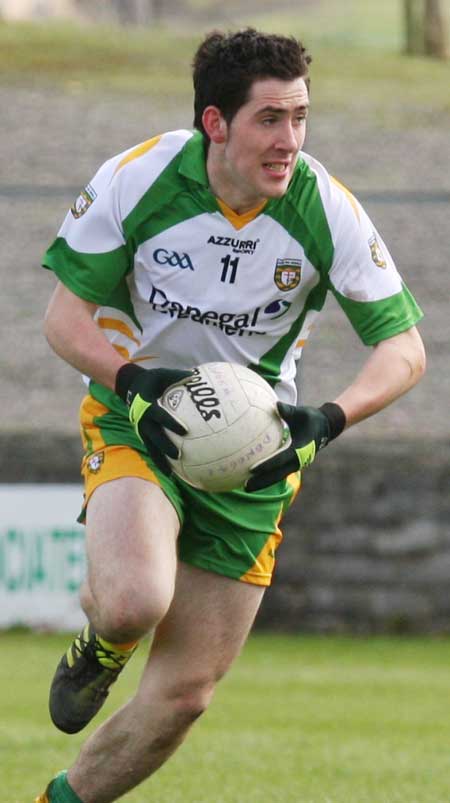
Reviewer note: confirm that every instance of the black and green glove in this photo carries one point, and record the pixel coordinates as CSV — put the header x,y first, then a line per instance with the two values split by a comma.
x,y
140,388
311,429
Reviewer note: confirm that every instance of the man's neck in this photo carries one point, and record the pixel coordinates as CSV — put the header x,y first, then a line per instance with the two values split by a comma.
x,y
225,190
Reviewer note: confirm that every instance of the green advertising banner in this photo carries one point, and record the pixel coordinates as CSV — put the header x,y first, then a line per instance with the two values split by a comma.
x,y
42,561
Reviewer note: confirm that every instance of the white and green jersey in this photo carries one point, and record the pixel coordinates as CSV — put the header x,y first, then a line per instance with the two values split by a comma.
x,y
180,279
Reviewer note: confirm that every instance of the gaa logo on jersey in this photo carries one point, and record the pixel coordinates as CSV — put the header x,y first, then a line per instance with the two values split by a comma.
x,y
172,258
288,273
83,202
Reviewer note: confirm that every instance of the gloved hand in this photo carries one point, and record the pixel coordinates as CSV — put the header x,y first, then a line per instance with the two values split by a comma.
x,y
311,429
140,388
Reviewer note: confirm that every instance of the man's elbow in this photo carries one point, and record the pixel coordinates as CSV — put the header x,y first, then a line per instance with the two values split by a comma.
x,y
55,328
406,355
418,359
422,363
48,328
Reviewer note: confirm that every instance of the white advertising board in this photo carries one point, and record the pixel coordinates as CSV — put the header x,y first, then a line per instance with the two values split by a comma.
x,y
42,561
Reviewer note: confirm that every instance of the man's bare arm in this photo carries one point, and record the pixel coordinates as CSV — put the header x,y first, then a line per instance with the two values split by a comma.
x,y
74,335
394,367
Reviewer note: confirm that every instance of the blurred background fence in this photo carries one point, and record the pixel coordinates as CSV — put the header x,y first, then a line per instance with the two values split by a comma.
x,y
367,544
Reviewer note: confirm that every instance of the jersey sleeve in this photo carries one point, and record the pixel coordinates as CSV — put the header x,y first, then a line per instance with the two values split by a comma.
x,y
363,276
89,254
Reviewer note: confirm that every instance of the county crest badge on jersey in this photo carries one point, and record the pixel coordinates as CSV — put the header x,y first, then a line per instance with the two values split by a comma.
x,y
288,273
83,202
376,253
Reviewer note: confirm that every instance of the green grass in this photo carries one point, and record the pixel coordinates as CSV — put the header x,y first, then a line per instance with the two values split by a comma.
x,y
297,720
99,58
358,61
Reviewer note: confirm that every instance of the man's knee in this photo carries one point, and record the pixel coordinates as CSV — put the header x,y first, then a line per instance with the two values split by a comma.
x,y
129,612
191,698
184,697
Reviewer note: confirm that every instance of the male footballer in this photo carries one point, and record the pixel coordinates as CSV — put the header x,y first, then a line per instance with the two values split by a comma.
x,y
220,243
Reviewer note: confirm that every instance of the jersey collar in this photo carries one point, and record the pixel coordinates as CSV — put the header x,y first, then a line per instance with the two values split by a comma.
x,y
193,160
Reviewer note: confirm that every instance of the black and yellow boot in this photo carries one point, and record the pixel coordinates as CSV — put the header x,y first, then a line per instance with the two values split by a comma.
x,y
83,678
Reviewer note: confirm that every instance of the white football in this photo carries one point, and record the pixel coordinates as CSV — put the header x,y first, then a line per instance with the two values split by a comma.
x,y
232,421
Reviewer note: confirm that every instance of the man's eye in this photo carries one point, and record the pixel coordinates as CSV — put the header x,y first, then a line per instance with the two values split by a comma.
x,y
268,120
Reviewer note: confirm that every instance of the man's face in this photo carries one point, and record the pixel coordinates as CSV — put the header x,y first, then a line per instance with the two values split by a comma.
x,y
262,142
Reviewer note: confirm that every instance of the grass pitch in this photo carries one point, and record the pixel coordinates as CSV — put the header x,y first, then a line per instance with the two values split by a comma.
x,y
297,720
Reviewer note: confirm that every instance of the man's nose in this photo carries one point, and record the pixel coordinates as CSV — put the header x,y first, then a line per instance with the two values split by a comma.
x,y
288,139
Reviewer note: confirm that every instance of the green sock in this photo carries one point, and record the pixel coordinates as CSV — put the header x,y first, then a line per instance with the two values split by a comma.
x,y
60,790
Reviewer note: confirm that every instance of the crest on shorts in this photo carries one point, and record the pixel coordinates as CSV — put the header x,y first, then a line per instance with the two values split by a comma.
x,y
376,253
83,202
95,462
288,273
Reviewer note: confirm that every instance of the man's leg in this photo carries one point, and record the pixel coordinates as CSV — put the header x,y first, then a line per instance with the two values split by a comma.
x,y
131,552
203,631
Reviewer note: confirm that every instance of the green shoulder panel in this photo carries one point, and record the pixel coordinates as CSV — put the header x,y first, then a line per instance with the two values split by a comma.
x,y
301,213
101,277
185,179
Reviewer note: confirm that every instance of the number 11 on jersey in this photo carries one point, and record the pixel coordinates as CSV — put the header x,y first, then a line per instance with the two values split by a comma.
x,y
227,263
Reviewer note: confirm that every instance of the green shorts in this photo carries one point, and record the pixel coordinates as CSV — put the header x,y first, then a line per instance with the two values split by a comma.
x,y
235,534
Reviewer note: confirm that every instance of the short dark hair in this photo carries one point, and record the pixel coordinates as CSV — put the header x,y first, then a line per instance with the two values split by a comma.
x,y
226,65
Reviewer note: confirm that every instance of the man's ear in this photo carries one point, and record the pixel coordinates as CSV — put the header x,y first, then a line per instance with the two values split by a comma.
x,y
215,124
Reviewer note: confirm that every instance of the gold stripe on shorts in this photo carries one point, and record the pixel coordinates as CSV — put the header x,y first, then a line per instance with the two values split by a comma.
x,y
295,481
90,432
260,574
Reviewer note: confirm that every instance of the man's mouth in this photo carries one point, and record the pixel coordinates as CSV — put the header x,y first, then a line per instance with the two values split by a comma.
x,y
276,167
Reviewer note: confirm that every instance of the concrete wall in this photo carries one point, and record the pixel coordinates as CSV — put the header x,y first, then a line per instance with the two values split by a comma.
x,y
367,542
